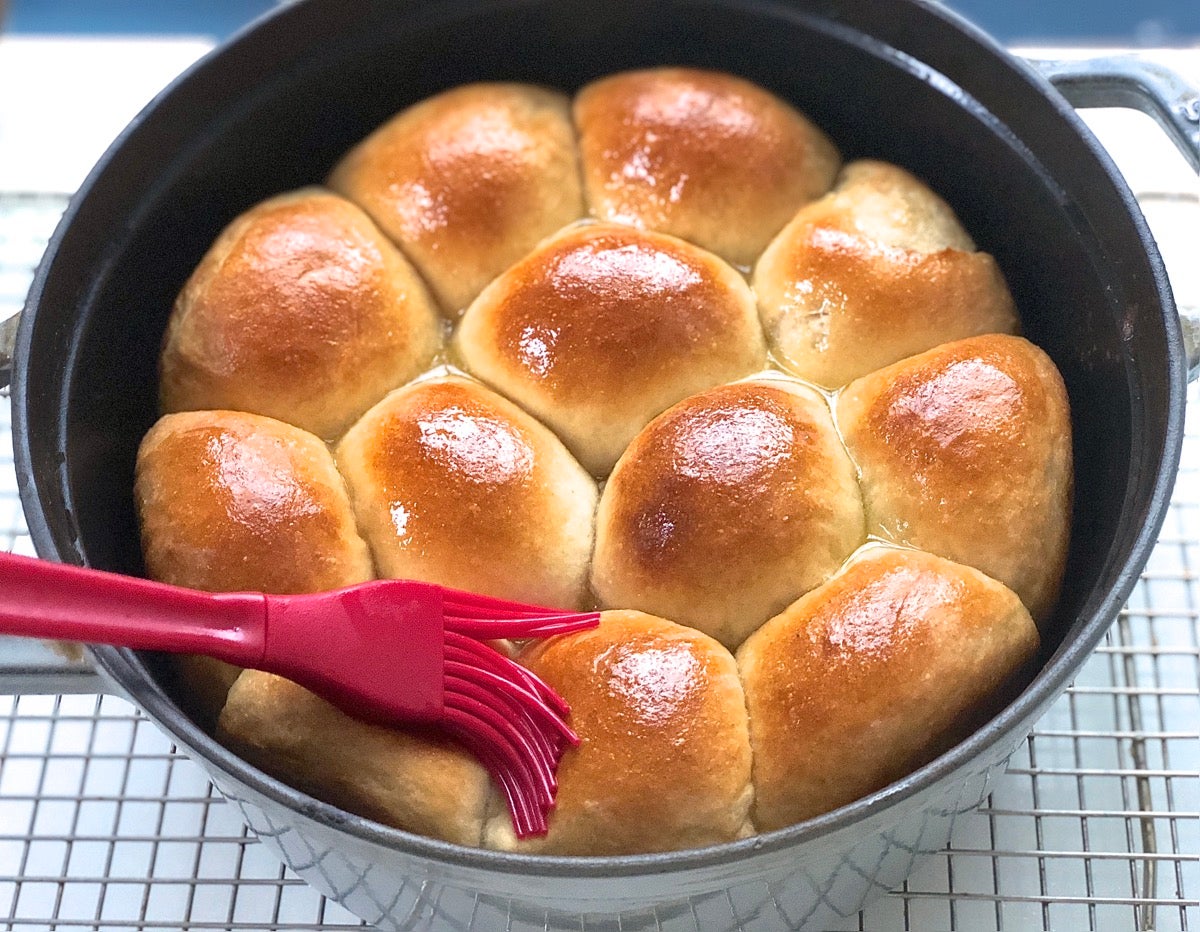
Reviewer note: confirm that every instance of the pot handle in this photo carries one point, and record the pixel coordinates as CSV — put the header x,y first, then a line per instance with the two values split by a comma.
x,y
1159,92
29,666
1125,81
8,345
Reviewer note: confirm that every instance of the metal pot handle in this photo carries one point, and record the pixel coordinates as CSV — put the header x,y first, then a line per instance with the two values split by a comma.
x,y
8,346
1125,81
1164,95
30,667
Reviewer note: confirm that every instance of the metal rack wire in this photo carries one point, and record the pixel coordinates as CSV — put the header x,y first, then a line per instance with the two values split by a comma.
x,y
105,826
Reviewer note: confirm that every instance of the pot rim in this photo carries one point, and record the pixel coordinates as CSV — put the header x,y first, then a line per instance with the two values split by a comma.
x,y
130,674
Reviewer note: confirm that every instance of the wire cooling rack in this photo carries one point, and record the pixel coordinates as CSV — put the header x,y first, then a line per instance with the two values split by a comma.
x,y
105,826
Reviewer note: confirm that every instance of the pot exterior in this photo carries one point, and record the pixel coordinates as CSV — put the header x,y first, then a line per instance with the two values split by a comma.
x,y
815,886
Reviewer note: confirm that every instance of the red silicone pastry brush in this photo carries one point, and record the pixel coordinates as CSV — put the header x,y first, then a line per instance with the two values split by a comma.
x,y
389,651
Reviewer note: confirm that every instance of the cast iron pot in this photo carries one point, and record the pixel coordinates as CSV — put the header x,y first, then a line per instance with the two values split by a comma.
x,y
896,79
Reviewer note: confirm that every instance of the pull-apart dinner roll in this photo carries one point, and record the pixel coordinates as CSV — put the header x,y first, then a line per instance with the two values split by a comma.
x,y
664,759
455,485
231,502
302,310
891,662
468,181
604,326
411,779
702,155
965,451
727,507
877,270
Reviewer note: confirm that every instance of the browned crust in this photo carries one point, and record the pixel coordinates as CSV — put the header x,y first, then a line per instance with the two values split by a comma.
x,y
231,501
656,706
468,181
702,155
965,451
301,310
453,484
604,326
859,682
876,271
727,507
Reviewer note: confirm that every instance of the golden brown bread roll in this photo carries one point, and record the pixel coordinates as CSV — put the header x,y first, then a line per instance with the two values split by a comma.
x,y
729,501
664,762
604,326
965,451
230,502
454,484
877,270
468,181
702,155
302,310
890,663
413,780
727,507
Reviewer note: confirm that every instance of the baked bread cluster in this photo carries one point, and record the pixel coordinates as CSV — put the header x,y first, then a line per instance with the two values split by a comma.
x,y
652,349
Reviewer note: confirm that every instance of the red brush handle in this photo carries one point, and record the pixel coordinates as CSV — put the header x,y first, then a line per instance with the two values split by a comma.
x,y
53,600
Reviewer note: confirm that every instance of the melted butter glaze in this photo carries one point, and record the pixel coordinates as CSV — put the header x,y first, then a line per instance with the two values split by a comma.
x,y
873,674
302,311
666,136
454,484
233,501
965,452
705,156
300,282
650,159
464,171
604,309
656,685
468,181
635,678
648,698
955,422
734,446
254,485
965,401
482,449
738,462
879,615
445,446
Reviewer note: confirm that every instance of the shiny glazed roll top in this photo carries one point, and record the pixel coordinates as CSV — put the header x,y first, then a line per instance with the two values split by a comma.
x,y
965,451
664,759
877,270
468,181
604,326
894,660
727,507
231,502
705,156
453,484
302,310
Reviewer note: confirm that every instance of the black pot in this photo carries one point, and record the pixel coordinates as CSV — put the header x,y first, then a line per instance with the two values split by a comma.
x,y
896,79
